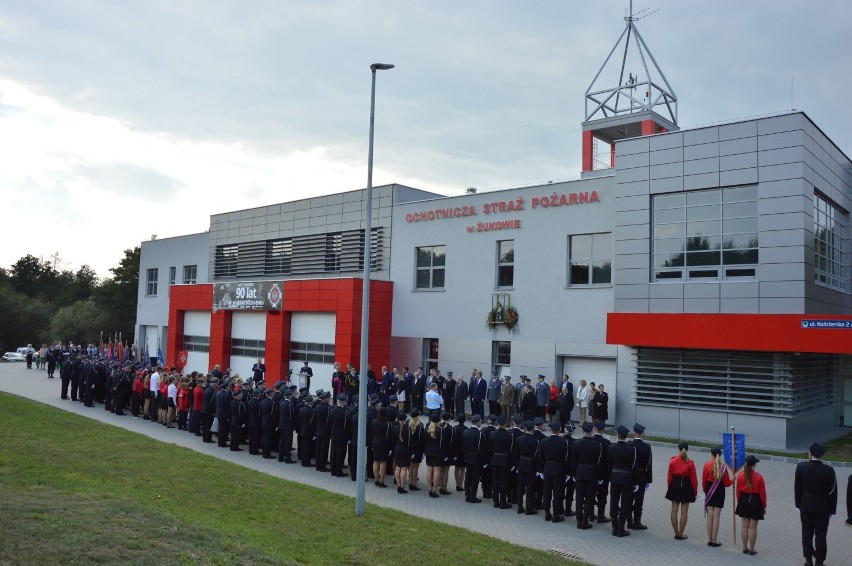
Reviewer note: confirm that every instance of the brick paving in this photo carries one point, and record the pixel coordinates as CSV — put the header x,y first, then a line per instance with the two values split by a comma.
x,y
778,540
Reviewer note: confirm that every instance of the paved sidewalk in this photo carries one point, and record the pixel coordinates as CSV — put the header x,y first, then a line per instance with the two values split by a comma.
x,y
778,541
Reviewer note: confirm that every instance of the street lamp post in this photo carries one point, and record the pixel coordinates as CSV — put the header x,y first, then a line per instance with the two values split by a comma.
x,y
361,458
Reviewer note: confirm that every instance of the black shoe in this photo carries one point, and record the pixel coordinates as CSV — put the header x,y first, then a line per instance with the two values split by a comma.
x,y
496,505
570,513
412,487
622,533
548,517
584,526
324,469
472,499
459,488
520,510
505,506
531,512
268,458
287,460
639,527
604,520
558,519
443,492
593,518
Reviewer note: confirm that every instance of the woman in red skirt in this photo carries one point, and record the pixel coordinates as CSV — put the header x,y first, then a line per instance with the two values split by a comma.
x,y
683,485
715,479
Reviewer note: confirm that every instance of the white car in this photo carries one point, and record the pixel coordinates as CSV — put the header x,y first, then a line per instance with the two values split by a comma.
x,y
14,357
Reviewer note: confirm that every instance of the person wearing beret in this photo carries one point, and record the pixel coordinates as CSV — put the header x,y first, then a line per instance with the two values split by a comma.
x,y
751,503
715,479
621,462
683,486
815,496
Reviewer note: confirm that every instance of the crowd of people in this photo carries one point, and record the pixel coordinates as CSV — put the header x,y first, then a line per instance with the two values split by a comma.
x,y
518,459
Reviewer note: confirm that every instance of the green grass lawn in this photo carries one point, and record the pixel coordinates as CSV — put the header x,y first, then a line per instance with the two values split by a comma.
x,y
76,491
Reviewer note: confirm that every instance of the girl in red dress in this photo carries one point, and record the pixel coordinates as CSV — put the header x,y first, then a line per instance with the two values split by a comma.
x,y
714,479
683,485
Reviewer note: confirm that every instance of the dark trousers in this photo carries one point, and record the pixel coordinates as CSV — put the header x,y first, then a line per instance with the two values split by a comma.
x,y
65,383
814,528
306,450
569,494
224,428
266,438
500,476
352,458
620,500
74,385
553,497
194,415
236,437
602,493
493,408
182,415
322,451
338,454
525,487
471,481
638,503
487,479
285,443
585,500
135,403
540,410
477,407
206,424
254,439
459,406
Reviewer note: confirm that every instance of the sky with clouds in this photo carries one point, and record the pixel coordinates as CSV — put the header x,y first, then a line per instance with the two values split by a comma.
x,y
119,120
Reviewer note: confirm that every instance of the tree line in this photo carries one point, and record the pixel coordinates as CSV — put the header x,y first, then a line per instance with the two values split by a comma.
x,y
42,302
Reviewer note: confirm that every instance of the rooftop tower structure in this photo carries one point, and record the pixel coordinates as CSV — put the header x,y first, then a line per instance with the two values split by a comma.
x,y
641,102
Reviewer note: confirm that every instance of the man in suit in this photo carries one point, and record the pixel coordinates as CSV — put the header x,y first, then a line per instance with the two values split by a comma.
x,y
493,395
449,392
477,394
307,372
460,395
418,389
815,496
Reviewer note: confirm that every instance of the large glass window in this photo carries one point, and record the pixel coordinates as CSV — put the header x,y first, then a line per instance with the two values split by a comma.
x,y
830,244
151,282
248,348
196,343
431,262
590,259
312,352
703,235
506,263
190,274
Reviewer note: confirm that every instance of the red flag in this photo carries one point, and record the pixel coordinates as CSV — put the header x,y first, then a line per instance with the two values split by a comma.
x,y
183,357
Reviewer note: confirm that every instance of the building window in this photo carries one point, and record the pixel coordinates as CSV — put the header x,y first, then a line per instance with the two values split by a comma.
x,y
248,348
172,275
705,235
506,263
196,343
225,263
333,248
430,267
501,354
151,282
430,353
830,244
590,259
312,352
765,383
190,274
279,257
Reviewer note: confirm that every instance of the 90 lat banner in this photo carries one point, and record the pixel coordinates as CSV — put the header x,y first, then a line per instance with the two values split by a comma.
x,y
248,295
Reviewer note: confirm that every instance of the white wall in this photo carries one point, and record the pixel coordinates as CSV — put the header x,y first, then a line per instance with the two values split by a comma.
x,y
313,327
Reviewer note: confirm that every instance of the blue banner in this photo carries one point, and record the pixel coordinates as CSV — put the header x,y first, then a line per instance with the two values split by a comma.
x,y
727,449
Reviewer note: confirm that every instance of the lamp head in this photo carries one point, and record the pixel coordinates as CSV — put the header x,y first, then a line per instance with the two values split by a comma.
x,y
381,66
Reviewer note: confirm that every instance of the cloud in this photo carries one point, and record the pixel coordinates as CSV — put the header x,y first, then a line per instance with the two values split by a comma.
x,y
131,180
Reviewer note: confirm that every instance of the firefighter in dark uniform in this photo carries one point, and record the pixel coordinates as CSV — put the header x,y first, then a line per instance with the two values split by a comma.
x,y
306,431
339,435
585,459
208,409
603,474
487,477
500,443
516,431
285,427
526,452
642,475
621,461
538,480
268,421
238,420
223,412
553,466
474,448
569,479
253,421
815,494
352,450
322,427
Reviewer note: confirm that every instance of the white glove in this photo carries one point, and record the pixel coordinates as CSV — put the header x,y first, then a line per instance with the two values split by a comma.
x,y
600,482
647,486
514,469
485,466
540,475
567,479
635,488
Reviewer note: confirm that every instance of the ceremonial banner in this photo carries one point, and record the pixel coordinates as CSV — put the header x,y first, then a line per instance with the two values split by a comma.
x,y
248,295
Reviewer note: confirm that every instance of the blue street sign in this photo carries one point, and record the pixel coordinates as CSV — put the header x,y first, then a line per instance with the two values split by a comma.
x,y
824,323
727,449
